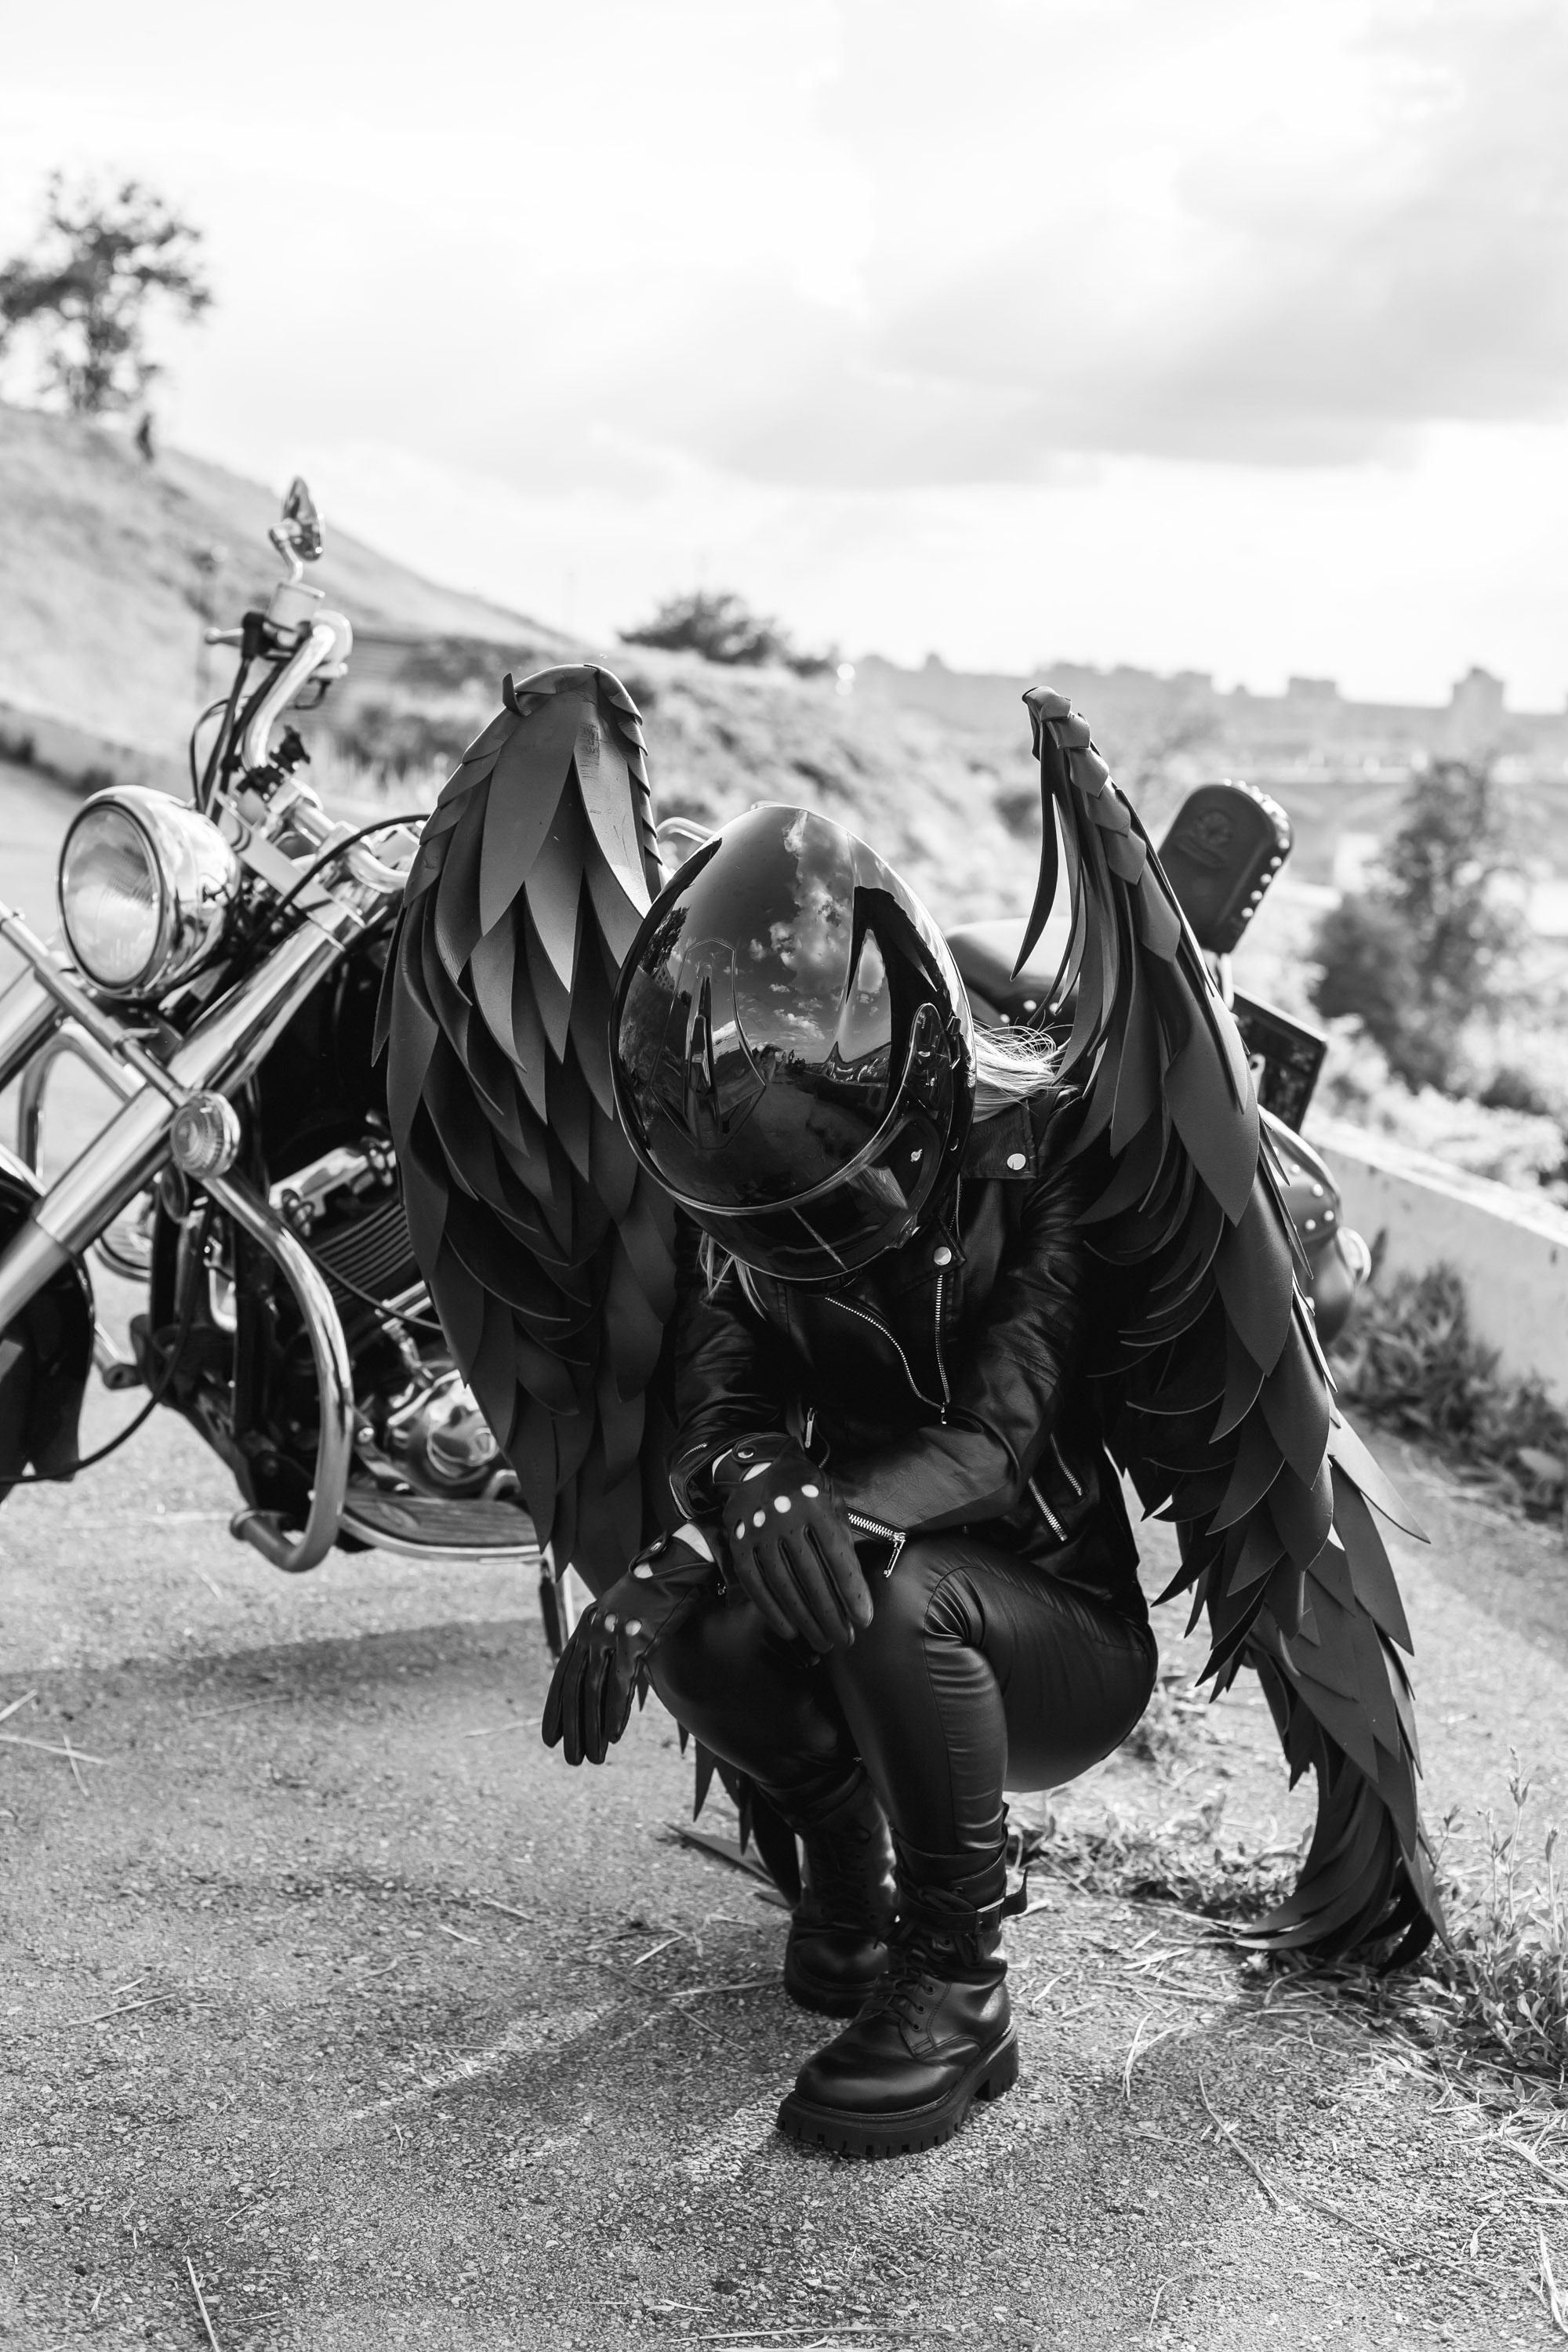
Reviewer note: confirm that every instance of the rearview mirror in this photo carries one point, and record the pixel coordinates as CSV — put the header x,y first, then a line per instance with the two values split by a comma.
x,y
299,535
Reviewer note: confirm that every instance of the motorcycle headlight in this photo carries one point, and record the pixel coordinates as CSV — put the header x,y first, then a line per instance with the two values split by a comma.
x,y
146,886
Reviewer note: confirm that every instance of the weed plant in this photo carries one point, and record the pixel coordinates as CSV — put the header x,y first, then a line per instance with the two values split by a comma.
x,y
1505,1974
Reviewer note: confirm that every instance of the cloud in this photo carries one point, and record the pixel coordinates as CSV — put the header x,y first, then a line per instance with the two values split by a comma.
x,y
1290,285
851,245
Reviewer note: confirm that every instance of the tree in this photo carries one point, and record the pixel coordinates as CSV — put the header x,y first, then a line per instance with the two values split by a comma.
x,y
1368,954
1418,955
100,266
723,627
1452,848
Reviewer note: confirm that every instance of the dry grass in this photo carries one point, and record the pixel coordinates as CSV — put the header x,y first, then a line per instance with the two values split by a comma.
x,y
1183,1860
1163,1731
1494,2000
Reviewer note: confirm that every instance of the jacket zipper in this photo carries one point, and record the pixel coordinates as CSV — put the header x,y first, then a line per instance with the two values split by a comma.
x,y
894,1537
1047,1513
877,1325
1076,1484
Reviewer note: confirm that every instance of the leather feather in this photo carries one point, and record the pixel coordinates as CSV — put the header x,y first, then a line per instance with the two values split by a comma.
x,y
549,1257
1271,1491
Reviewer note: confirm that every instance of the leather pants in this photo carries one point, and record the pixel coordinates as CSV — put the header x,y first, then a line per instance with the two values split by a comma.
x,y
980,1671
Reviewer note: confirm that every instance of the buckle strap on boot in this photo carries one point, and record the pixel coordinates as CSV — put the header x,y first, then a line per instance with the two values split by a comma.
x,y
950,1911
945,1912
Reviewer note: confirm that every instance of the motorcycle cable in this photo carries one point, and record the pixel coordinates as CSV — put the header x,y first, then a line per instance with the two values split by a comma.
x,y
159,1389
253,648
218,758
329,857
409,1321
221,704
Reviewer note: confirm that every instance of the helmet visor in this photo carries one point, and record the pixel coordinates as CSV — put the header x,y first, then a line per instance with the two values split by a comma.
x,y
848,1223
870,1206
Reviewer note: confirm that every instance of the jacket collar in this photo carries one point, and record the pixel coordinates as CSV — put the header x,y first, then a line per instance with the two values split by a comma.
x,y
1004,1146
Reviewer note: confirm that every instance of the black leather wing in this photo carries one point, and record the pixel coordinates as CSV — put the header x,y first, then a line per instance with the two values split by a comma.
x,y
548,1253
1219,1403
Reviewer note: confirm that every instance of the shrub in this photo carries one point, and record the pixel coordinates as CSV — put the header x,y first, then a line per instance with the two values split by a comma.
x,y
1419,954
400,740
1511,1088
1019,809
1409,1357
723,627
1368,955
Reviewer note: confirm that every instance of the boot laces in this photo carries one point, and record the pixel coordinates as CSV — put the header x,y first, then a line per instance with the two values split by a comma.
x,y
918,1965
839,1873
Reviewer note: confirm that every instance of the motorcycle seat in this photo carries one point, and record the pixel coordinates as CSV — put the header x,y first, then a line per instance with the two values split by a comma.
x,y
985,953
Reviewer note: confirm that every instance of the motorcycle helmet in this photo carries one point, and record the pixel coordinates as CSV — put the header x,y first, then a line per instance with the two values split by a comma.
x,y
791,1047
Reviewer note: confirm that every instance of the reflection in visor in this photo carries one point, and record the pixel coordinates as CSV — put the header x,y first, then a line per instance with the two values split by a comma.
x,y
791,1054
846,1224
927,1087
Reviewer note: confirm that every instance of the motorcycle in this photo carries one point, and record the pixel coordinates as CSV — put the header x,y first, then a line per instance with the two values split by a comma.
x,y
218,968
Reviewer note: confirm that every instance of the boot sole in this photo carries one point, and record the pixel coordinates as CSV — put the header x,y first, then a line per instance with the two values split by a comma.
x,y
827,2000
990,2077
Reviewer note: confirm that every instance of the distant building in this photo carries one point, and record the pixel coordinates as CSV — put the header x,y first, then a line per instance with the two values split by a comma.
x,y
1340,766
1475,711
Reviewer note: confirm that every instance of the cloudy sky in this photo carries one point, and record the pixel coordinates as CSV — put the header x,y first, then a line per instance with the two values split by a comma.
x,y
1225,334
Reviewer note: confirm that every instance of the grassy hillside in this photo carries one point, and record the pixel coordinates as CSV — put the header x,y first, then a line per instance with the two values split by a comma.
x,y
106,564
952,815
109,568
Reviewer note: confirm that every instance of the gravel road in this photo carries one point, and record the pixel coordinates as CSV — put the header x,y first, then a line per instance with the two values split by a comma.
x,y
324,1983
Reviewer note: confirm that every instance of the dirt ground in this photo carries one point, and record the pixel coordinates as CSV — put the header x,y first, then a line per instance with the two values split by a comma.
x,y
419,2037
323,1982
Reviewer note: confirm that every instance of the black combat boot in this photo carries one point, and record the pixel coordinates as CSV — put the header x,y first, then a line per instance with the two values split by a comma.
x,y
934,2035
838,1944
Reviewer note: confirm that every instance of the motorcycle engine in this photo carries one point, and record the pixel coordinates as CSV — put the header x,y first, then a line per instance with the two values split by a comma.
x,y
419,1424
347,1209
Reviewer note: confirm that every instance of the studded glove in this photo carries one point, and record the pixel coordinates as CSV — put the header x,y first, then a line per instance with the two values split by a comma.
x,y
790,1546
604,1665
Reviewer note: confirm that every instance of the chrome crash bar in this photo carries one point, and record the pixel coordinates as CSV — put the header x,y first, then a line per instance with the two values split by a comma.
x,y
46,1010
334,1385
69,1038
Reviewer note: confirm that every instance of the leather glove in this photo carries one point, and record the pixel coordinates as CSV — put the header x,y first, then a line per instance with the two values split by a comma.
x,y
791,1548
604,1665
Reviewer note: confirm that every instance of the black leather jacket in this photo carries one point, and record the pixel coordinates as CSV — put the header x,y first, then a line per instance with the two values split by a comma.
x,y
942,1386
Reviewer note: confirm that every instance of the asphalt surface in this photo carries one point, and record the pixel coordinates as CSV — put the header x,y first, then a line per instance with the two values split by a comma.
x,y
323,1981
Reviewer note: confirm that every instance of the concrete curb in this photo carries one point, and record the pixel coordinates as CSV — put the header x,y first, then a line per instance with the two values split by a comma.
x,y
1512,1251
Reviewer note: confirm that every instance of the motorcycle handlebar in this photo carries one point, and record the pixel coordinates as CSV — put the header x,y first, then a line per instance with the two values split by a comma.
x,y
328,643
